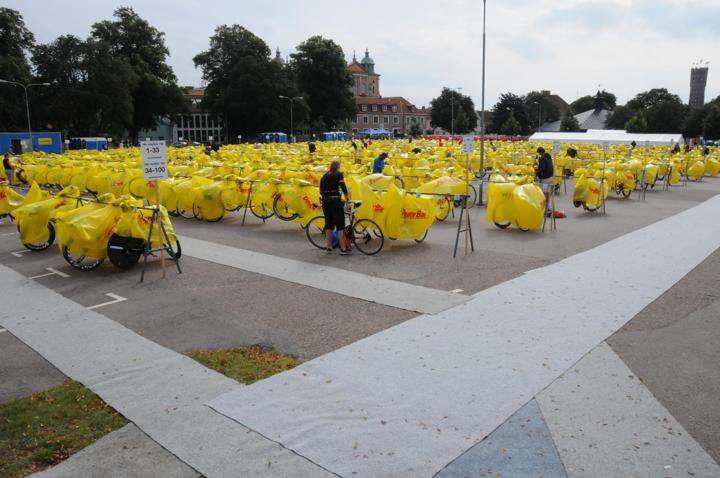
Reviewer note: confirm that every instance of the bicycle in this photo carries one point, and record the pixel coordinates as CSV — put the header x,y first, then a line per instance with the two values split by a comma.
x,y
364,234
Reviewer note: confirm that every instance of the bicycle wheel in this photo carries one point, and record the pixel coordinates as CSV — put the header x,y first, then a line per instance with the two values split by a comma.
x,y
41,246
124,252
261,211
315,231
444,210
281,210
185,214
367,236
424,236
213,216
81,262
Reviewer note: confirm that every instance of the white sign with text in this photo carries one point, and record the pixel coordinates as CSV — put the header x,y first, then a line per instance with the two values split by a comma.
x,y
468,144
154,160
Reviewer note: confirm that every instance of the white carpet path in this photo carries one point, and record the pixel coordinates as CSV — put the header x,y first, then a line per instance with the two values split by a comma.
x,y
407,401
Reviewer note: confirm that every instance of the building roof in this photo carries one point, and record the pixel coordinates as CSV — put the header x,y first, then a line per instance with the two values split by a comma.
x,y
193,92
403,105
588,120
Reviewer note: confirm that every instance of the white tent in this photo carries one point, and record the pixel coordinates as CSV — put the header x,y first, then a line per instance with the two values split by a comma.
x,y
610,136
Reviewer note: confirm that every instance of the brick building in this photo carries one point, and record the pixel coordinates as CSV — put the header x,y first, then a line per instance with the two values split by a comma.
x,y
393,113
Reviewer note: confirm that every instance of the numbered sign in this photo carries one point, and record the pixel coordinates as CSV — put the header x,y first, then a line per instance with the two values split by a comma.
x,y
556,148
605,146
154,160
468,144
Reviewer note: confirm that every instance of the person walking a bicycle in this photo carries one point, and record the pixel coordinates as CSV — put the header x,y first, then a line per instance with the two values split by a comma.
x,y
331,185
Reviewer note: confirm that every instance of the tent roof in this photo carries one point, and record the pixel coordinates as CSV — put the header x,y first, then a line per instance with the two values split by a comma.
x,y
595,136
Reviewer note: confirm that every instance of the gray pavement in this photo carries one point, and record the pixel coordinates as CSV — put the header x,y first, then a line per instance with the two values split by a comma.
x,y
670,345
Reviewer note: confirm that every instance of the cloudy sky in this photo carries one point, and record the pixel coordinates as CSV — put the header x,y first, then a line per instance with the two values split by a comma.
x,y
569,47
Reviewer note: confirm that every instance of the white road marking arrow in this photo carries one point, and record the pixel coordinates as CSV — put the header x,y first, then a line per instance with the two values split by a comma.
x,y
53,272
116,298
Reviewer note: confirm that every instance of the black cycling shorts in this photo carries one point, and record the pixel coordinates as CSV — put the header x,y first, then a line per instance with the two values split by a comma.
x,y
333,212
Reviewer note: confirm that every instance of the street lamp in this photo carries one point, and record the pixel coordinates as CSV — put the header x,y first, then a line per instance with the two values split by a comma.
x,y
452,108
292,102
27,103
482,114
539,106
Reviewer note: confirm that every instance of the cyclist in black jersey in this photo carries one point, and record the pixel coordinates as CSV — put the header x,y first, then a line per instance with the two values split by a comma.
x,y
331,184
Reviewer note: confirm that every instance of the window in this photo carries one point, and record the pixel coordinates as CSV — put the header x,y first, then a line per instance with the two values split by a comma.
x,y
365,119
384,107
374,108
386,119
363,107
376,119
396,120
394,108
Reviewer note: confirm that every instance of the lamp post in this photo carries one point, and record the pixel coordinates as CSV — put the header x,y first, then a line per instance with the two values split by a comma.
x,y
292,102
482,114
539,106
27,103
452,109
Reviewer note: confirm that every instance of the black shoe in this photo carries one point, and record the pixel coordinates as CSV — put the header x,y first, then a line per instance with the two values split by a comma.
x,y
347,252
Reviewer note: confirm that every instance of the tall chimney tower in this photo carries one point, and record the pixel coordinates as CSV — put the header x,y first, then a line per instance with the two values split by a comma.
x,y
698,82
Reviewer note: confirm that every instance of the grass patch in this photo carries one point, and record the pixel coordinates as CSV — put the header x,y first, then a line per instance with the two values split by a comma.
x,y
44,429
245,364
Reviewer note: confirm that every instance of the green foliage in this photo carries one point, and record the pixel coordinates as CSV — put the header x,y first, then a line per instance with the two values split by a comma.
x,y
509,105
15,41
711,124
131,39
637,124
44,429
246,364
603,99
90,89
322,76
511,126
442,112
569,123
540,109
244,83
415,129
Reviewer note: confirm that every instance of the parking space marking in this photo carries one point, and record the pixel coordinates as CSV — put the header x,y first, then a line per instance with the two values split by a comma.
x,y
456,291
20,252
52,272
2,330
9,233
116,299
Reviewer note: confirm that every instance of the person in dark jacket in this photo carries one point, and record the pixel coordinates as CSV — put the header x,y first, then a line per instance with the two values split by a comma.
x,y
331,184
379,163
545,172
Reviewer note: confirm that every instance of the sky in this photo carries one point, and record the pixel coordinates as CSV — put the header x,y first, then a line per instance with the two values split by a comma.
x,y
570,47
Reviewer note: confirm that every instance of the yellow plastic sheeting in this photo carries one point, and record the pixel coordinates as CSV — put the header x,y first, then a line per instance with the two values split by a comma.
x,y
135,223
444,185
32,219
9,199
408,216
696,170
86,230
587,191
520,205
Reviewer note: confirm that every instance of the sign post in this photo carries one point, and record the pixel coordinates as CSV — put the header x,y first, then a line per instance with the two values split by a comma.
x,y
468,149
154,166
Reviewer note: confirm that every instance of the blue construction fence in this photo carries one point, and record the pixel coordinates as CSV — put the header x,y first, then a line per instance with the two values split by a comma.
x,y
41,141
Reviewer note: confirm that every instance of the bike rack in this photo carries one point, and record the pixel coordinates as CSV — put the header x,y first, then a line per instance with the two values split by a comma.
x,y
167,246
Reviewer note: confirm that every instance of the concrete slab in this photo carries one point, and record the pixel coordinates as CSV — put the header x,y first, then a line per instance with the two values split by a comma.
x,y
355,415
159,390
606,424
522,447
352,284
672,346
124,453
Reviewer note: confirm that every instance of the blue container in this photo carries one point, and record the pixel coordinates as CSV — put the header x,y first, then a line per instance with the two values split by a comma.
x,y
272,138
41,141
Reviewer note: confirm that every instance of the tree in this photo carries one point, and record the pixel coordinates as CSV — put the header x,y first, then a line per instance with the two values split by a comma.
x,y
695,121
90,89
585,103
540,109
619,117
452,105
569,123
637,124
141,46
508,105
511,126
711,125
244,83
15,42
661,111
415,129
322,76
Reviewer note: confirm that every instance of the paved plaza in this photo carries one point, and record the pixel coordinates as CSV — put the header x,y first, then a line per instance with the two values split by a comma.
x,y
590,351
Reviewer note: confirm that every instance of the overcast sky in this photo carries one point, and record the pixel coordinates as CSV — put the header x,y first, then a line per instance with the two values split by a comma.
x,y
569,47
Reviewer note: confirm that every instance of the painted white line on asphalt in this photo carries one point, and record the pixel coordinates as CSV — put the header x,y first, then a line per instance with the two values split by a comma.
x,y
2,330
340,281
415,396
116,299
456,291
159,390
9,234
20,252
605,422
52,272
